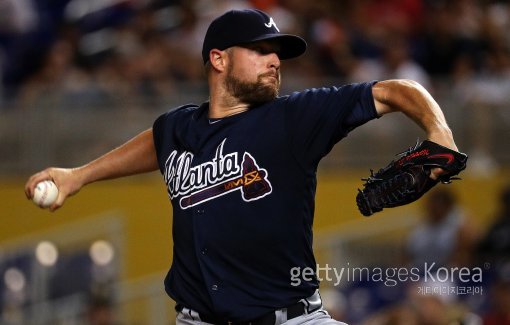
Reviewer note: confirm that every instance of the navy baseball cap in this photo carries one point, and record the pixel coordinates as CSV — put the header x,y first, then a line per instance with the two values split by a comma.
x,y
238,27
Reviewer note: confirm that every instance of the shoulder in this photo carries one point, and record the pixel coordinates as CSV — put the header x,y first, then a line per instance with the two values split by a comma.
x,y
181,111
346,90
177,114
334,99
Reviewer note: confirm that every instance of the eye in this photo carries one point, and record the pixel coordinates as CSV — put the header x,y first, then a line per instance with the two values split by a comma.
x,y
266,50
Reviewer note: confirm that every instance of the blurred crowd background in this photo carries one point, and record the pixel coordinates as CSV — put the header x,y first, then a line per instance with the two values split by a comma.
x,y
105,51
79,77
143,56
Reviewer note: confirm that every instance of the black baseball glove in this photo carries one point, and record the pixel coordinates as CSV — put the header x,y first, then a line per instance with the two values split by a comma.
x,y
407,178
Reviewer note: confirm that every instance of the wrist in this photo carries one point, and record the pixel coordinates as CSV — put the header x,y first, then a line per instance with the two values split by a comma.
x,y
443,136
82,176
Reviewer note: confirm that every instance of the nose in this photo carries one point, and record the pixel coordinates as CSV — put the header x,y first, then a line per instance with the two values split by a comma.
x,y
274,61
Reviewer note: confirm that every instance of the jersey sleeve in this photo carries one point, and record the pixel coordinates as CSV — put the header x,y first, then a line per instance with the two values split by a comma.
x,y
318,118
158,132
168,130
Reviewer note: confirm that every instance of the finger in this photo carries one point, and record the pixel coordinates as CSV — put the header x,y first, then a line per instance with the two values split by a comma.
x,y
34,180
31,183
435,173
59,202
28,187
54,207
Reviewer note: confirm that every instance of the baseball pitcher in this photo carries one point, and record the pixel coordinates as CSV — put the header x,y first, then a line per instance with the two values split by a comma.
x,y
240,171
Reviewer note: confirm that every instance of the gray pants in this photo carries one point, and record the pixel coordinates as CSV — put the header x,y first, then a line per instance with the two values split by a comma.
x,y
319,316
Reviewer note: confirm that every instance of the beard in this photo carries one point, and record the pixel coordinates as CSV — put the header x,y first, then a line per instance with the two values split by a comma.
x,y
252,93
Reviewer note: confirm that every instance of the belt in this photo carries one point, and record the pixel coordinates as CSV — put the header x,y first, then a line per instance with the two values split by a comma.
x,y
293,311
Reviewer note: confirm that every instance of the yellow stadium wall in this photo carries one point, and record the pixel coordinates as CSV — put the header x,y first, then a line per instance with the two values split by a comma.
x,y
146,218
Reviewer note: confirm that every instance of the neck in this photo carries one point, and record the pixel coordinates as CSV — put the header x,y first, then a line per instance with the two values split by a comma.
x,y
222,104
225,112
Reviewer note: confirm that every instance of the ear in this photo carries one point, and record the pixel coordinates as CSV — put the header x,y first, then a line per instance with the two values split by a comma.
x,y
218,59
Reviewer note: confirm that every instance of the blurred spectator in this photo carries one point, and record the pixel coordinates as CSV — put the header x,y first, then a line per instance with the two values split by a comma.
x,y
100,312
425,309
334,302
1,81
399,314
495,245
499,311
440,309
440,43
17,16
27,30
185,47
57,77
395,63
444,237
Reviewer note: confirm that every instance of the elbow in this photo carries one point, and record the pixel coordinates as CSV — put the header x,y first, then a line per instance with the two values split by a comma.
x,y
403,85
405,91
392,95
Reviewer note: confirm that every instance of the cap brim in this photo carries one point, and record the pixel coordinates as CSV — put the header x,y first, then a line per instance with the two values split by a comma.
x,y
291,46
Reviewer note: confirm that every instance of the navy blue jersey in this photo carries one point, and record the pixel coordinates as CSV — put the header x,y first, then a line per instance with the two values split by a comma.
x,y
242,190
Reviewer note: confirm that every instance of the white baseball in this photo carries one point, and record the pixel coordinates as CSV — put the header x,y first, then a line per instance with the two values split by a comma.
x,y
45,194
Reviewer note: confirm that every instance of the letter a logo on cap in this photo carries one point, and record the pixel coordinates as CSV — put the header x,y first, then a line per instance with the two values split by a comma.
x,y
271,23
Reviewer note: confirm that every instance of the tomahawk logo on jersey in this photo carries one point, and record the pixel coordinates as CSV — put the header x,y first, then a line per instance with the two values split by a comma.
x,y
219,176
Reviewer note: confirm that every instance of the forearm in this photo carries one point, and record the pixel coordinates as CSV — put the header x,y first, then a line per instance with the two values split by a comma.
x,y
413,100
133,157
